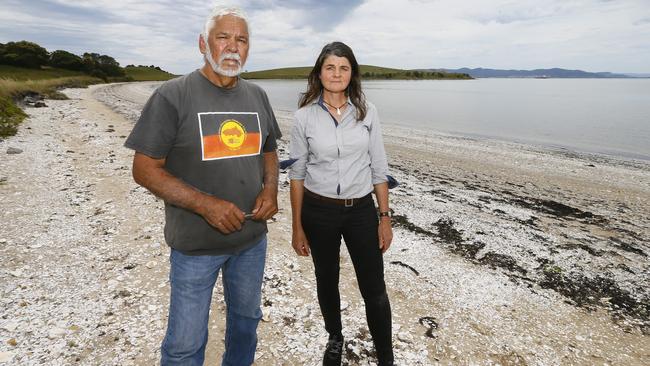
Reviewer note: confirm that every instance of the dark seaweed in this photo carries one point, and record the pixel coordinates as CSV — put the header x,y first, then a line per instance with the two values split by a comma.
x,y
429,322
495,260
399,263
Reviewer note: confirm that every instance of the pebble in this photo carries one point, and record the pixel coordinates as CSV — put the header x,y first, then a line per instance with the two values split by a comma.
x,y
150,264
56,333
16,273
405,337
344,305
266,314
10,326
6,356
14,151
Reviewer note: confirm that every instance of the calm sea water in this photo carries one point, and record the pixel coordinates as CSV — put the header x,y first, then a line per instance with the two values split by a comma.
x,y
610,116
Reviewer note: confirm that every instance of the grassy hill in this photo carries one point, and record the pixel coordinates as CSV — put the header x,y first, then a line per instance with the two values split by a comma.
x,y
147,73
283,73
367,72
135,73
21,73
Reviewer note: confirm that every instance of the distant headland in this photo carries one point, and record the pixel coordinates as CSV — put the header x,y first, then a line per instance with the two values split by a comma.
x,y
537,73
367,72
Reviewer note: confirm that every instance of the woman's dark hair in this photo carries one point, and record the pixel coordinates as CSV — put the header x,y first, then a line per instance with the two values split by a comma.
x,y
353,91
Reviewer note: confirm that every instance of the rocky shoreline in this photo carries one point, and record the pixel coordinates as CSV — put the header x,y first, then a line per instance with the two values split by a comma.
x,y
590,248
503,253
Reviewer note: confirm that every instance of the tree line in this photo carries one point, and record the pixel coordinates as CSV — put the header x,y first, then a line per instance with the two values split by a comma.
x,y
31,55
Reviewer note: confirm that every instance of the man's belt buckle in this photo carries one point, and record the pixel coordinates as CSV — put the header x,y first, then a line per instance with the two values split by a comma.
x,y
349,202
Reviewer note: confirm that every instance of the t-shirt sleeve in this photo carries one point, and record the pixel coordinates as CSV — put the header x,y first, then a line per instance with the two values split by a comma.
x,y
298,149
155,132
270,143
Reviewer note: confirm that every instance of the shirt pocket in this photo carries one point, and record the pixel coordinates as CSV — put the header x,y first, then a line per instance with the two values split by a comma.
x,y
356,140
321,145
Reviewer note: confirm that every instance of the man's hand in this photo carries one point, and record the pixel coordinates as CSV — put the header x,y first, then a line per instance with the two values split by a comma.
x,y
223,215
385,232
299,242
266,204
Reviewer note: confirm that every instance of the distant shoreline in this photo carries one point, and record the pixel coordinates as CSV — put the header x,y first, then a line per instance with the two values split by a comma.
x,y
620,157
367,72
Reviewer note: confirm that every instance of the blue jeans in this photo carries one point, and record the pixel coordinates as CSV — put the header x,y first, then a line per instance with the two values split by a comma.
x,y
192,279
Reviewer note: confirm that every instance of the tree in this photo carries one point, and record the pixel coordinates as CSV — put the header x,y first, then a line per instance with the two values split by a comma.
x,y
66,60
23,54
101,66
109,66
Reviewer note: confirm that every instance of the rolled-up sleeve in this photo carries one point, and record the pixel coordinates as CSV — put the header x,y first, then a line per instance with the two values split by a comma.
x,y
378,161
298,149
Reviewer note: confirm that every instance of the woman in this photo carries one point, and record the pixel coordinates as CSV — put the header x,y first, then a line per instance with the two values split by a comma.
x,y
340,159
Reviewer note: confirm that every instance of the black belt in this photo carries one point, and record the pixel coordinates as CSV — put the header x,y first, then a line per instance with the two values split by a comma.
x,y
347,202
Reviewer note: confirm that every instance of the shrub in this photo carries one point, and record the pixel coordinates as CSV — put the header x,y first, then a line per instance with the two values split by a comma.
x,y
10,117
66,60
23,54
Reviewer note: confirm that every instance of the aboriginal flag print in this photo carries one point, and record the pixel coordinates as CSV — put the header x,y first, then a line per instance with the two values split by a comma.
x,y
227,135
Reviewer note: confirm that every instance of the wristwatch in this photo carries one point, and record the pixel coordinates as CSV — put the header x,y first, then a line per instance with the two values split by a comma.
x,y
388,214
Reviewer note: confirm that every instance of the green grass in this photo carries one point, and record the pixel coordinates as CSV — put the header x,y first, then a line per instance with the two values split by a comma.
x,y
144,73
10,90
10,117
367,72
283,73
16,82
15,88
20,73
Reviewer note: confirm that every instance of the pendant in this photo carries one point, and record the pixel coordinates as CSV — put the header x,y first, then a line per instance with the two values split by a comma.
x,y
338,111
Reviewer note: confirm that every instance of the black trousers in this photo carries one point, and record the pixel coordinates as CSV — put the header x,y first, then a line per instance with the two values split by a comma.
x,y
324,224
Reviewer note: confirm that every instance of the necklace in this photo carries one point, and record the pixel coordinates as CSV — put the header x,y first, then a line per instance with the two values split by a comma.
x,y
338,109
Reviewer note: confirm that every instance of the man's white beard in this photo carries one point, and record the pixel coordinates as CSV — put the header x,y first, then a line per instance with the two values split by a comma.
x,y
216,66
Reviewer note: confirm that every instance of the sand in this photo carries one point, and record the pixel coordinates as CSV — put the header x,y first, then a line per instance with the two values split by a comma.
x,y
503,253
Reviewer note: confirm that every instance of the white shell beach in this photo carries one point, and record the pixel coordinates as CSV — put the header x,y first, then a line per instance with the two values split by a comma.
x,y
504,254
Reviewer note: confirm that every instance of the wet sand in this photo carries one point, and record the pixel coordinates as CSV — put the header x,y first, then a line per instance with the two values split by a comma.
x,y
503,254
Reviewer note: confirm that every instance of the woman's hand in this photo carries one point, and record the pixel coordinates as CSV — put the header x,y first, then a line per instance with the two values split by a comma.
x,y
299,242
385,231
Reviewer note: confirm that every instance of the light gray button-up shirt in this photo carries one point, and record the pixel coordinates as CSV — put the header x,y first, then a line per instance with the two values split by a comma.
x,y
337,160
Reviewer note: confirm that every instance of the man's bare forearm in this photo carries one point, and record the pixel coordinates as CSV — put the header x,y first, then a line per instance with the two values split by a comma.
x,y
151,174
271,170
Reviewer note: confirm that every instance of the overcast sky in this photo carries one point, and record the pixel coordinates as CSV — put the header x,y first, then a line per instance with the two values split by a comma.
x,y
591,35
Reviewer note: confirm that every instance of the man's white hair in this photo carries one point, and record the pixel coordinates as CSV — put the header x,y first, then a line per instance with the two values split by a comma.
x,y
219,11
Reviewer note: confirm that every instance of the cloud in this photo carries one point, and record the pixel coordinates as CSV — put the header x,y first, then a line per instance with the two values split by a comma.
x,y
317,15
593,35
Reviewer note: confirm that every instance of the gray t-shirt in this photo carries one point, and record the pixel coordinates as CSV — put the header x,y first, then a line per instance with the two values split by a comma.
x,y
213,139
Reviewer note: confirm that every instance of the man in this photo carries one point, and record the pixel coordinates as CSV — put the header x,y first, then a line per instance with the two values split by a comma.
x,y
205,143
